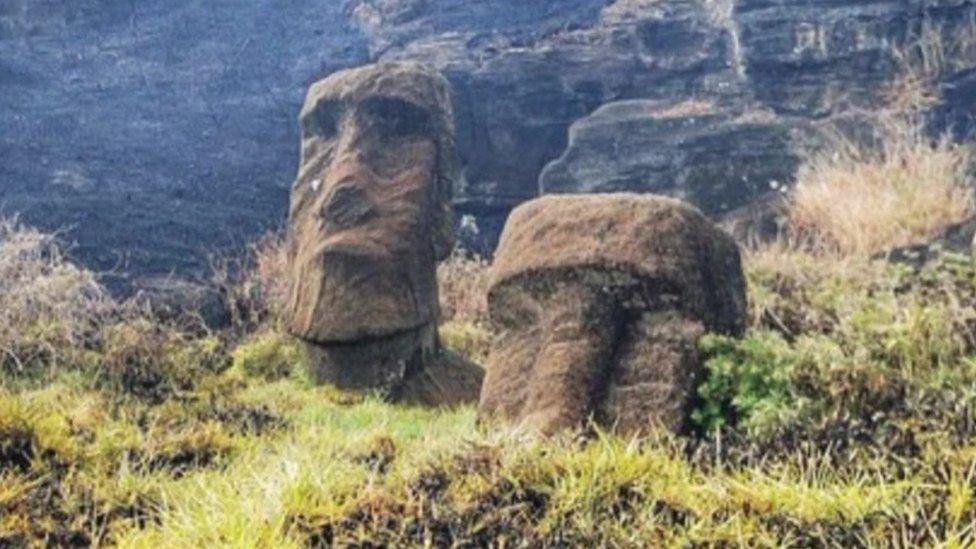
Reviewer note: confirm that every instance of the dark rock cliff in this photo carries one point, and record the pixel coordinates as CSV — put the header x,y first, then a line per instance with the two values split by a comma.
x,y
159,131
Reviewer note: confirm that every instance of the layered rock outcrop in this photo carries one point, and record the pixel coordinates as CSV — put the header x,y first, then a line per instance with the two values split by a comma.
x,y
684,149
160,131
599,302
610,70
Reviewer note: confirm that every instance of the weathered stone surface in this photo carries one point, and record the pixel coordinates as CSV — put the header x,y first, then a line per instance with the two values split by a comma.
x,y
159,131
956,115
519,90
370,218
679,149
521,87
370,209
599,301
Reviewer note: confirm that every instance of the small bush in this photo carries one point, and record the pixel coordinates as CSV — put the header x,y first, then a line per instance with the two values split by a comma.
x,y
255,285
834,339
180,451
747,382
50,310
141,358
55,318
468,339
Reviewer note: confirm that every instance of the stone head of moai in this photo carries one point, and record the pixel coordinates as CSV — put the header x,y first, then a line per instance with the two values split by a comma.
x,y
370,218
599,302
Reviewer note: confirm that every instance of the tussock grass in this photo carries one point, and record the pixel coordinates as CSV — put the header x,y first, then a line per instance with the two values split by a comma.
x,y
463,284
900,188
268,355
929,55
49,308
56,319
254,285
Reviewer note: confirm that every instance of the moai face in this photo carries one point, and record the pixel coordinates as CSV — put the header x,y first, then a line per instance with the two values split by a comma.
x,y
599,302
371,208
596,344
558,329
370,218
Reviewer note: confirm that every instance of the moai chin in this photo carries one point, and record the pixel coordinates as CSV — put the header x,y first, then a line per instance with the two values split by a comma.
x,y
370,218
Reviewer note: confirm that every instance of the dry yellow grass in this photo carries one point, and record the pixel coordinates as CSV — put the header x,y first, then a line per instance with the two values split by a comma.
x,y
691,107
463,285
900,187
857,199
255,285
48,306
271,260
924,60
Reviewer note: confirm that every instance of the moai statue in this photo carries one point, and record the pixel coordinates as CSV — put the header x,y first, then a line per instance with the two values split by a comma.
x,y
370,219
599,301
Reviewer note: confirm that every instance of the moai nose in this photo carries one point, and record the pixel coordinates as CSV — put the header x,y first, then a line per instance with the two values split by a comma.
x,y
348,205
581,327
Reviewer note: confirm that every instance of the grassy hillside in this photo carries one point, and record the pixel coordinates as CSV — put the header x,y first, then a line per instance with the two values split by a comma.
x,y
846,416
856,425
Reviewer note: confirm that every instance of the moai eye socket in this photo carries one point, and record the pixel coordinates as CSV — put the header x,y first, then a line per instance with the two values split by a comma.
x,y
394,118
323,121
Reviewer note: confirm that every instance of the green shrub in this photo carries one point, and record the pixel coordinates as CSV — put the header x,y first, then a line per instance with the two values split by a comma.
x,y
832,340
747,383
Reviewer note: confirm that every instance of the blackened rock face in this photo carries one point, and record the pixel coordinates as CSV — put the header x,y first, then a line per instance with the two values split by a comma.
x,y
371,207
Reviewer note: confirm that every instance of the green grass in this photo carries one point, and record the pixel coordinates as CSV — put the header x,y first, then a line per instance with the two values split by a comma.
x,y
322,467
846,416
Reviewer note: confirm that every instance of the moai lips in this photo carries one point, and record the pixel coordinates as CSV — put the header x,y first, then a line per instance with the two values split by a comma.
x,y
370,218
600,301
